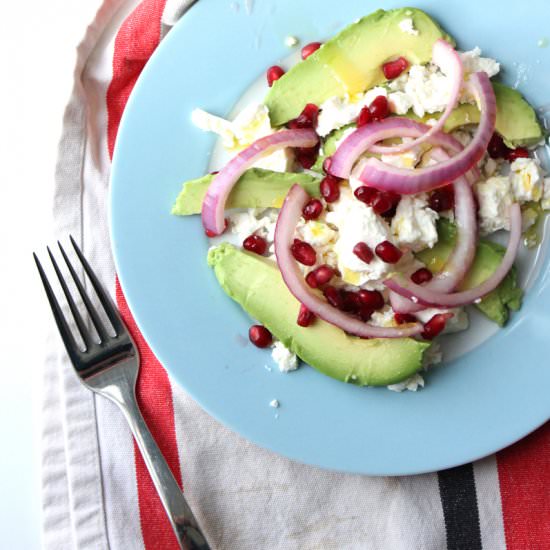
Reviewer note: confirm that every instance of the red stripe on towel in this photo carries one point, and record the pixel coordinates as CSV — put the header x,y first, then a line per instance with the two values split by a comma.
x,y
524,474
136,40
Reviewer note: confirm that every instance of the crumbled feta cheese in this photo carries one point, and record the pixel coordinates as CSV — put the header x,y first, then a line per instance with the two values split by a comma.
x,y
526,180
414,223
285,359
432,356
411,384
318,233
407,26
291,41
250,124
357,222
274,403
254,220
495,198
545,202
336,112
383,317
457,323
463,137
474,63
400,103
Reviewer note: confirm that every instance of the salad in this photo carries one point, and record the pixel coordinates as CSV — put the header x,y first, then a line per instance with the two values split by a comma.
x,y
354,221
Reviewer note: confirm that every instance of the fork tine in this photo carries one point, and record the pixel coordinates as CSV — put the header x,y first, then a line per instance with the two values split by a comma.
x,y
64,330
72,306
103,296
92,311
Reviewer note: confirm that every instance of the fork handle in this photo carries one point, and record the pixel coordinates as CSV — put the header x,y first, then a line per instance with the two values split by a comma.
x,y
179,513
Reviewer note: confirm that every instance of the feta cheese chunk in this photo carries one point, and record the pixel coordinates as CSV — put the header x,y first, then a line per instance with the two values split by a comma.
x,y
336,112
495,198
411,384
285,359
251,124
383,317
406,160
407,26
318,233
526,180
357,222
414,223
474,63
261,221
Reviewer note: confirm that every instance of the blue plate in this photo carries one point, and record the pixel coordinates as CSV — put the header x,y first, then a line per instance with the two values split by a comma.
x,y
471,407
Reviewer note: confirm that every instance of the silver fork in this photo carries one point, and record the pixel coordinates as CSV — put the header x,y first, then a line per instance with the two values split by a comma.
x,y
110,367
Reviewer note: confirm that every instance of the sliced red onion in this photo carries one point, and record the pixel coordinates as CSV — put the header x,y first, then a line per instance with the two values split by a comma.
x,y
462,257
214,202
421,295
284,236
410,182
363,139
448,60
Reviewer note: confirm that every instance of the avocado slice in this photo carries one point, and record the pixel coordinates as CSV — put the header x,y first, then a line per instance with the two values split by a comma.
x,y
256,188
256,284
516,120
351,62
496,305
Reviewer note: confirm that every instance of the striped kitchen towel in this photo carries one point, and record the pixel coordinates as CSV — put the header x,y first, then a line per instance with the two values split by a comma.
x,y
96,490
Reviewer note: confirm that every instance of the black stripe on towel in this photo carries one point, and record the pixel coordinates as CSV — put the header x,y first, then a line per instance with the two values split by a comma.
x,y
458,496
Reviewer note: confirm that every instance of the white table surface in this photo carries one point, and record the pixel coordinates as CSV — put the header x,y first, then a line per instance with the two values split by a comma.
x,y
38,47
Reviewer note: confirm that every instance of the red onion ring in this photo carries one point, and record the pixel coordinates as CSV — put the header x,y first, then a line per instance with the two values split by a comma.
x,y
213,205
448,60
427,297
289,216
364,138
385,177
462,257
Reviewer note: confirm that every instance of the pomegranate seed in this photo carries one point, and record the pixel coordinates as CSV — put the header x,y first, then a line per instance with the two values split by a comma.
x,y
392,69
313,209
497,149
371,298
214,173
256,244
364,117
211,234
306,156
330,188
306,119
519,153
305,317
352,303
381,204
363,252
323,274
379,108
365,312
421,276
404,318
274,73
442,199
326,165
260,336
311,280
435,325
333,296
366,194
303,252
388,252
308,49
